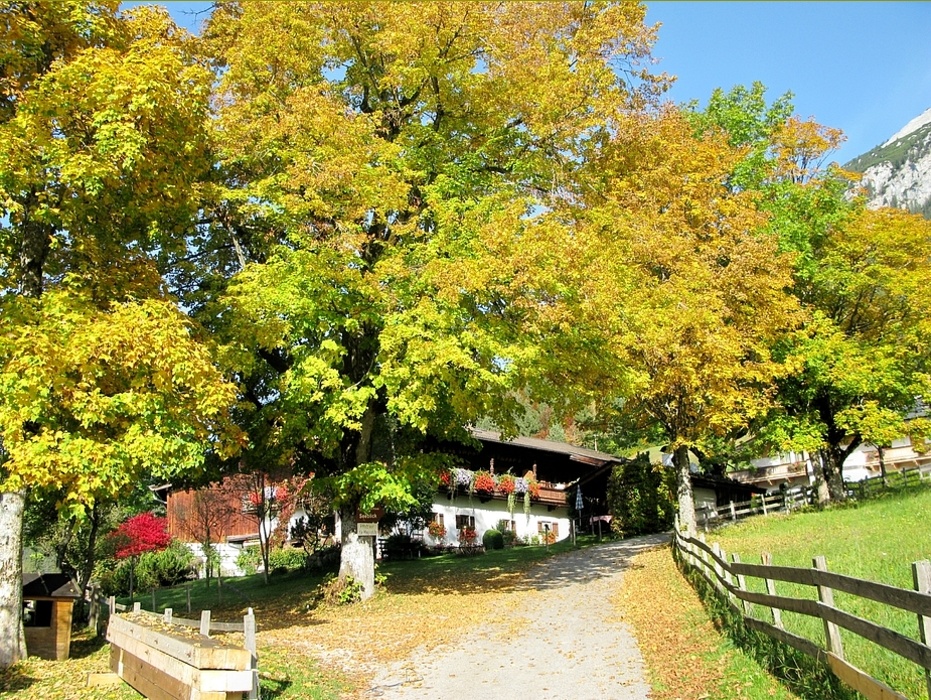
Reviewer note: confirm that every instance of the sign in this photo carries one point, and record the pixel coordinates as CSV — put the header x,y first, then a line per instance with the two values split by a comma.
x,y
367,529
373,517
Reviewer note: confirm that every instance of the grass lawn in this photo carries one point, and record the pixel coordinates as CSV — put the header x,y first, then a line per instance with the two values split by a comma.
x,y
876,540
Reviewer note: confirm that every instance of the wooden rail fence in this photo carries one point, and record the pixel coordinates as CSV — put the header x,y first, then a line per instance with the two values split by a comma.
x,y
799,496
766,504
730,579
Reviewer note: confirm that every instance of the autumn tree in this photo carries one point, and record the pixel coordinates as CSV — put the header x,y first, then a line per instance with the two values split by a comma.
x,y
386,167
704,283
138,535
854,371
102,378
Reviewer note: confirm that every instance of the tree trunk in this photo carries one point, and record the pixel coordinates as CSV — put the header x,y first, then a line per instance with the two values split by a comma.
x,y
821,482
882,465
357,559
832,466
12,639
684,489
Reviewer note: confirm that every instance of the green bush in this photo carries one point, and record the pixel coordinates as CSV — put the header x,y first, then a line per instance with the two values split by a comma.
x,y
399,546
492,539
168,567
287,558
249,560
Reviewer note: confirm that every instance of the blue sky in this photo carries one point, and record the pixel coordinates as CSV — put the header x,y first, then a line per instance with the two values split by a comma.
x,y
864,67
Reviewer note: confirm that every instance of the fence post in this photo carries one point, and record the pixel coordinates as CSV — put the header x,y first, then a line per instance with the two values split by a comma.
x,y
826,596
733,512
716,548
767,559
167,616
137,606
921,573
248,627
111,604
187,590
703,558
205,623
742,585
764,504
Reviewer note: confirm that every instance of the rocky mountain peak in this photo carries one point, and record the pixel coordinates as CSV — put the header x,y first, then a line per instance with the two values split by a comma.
x,y
897,173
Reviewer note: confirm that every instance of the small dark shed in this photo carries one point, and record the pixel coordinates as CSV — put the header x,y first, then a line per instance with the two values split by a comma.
x,y
48,600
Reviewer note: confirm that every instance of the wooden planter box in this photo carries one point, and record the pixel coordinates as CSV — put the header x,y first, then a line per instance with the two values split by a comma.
x,y
174,666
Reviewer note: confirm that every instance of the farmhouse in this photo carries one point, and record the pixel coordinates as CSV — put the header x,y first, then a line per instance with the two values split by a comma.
x,y
555,470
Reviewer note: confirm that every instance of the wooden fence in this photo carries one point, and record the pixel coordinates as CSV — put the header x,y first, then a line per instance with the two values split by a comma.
x,y
785,501
767,504
729,578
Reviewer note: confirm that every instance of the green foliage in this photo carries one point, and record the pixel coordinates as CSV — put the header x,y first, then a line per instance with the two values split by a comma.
x,y
150,570
493,539
336,591
249,559
287,559
641,497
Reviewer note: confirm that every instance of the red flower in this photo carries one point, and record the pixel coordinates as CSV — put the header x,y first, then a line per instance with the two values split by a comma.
x,y
534,489
484,482
506,484
444,478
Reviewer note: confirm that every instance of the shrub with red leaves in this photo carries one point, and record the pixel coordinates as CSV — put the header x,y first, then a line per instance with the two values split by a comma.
x,y
139,534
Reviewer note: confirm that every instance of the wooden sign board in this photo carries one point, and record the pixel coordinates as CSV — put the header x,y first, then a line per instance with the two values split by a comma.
x,y
373,517
367,529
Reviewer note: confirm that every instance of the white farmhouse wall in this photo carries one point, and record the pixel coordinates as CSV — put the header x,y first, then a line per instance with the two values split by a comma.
x,y
488,514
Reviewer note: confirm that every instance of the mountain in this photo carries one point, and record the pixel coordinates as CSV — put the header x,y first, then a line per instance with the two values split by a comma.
x,y
898,172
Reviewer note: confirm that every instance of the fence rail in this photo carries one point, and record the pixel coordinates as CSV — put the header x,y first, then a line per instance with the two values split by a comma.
x,y
729,578
793,498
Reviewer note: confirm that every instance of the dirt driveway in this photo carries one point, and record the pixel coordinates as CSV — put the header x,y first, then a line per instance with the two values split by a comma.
x,y
564,639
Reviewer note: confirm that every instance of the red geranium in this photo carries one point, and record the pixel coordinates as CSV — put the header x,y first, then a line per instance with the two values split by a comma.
x,y
484,482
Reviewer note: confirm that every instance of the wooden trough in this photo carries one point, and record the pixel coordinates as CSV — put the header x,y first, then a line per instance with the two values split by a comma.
x,y
163,662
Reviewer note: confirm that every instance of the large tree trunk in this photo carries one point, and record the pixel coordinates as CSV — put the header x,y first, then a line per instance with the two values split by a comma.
x,y
12,638
833,463
684,489
357,558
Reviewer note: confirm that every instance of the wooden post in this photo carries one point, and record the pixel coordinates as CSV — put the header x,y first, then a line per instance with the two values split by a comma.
x,y
205,623
248,627
921,574
187,590
767,560
168,615
137,606
733,512
742,585
826,595
111,604
764,505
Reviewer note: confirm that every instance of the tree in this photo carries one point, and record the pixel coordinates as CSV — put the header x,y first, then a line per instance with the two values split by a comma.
x,y
139,534
102,377
387,171
705,284
855,370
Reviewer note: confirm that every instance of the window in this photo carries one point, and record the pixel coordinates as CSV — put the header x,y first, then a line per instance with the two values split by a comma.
x,y
37,613
438,518
553,528
465,521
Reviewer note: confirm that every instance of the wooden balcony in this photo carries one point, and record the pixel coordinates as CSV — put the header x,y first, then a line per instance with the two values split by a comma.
x,y
550,496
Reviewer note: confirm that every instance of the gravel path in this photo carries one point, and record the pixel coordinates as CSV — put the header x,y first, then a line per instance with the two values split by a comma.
x,y
566,642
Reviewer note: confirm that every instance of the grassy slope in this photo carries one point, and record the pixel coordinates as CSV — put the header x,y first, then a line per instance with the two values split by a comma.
x,y
876,540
